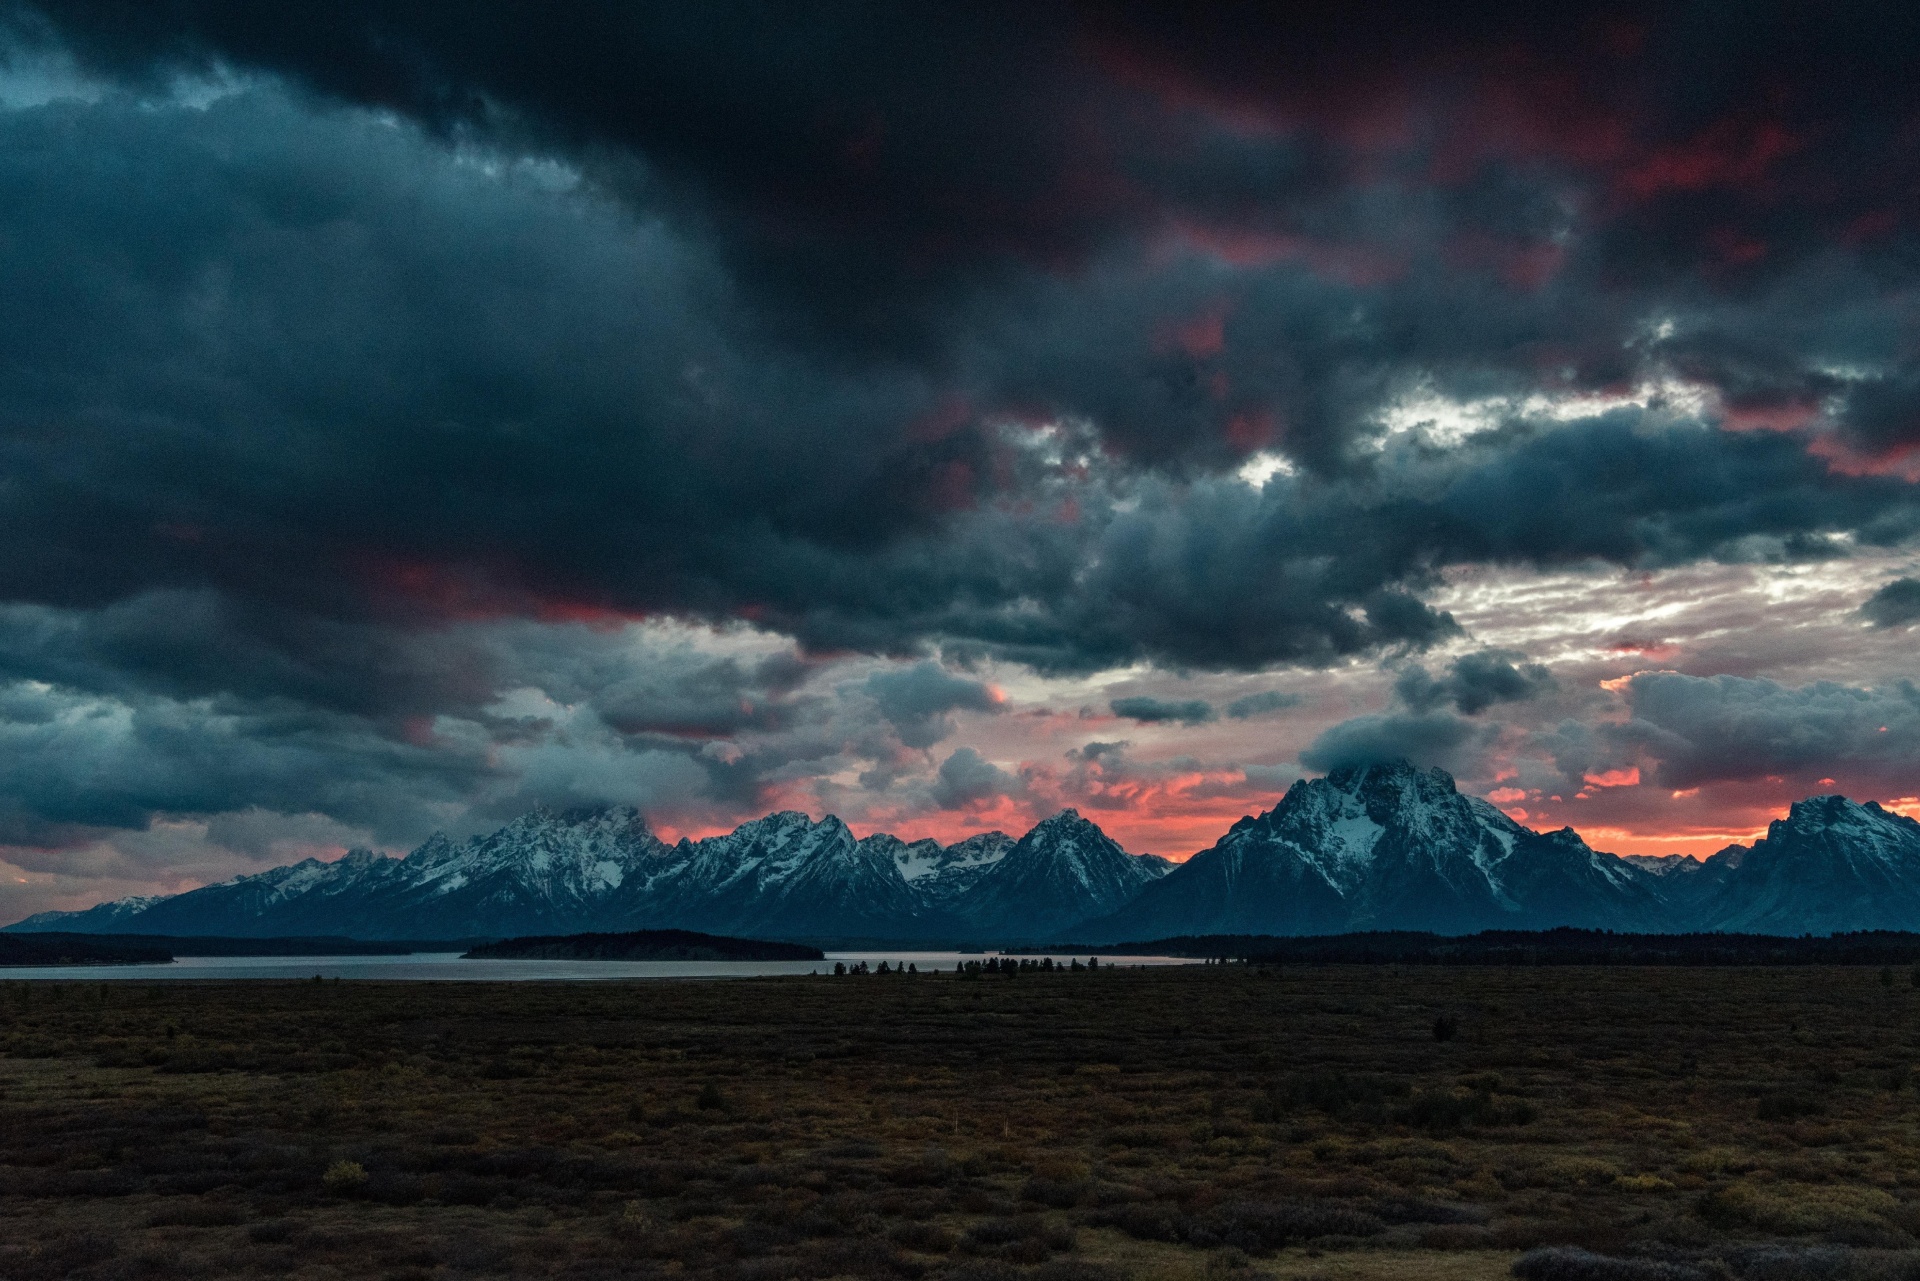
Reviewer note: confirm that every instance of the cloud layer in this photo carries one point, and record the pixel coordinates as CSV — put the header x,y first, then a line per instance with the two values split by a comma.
x,y
409,412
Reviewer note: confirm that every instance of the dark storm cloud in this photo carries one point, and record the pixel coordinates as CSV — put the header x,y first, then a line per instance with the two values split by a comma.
x,y
916,700
1895,605
889,329
697,697
1418,728
1153,711
70,763
1881,415
1475,682
1726,728
1502,198
996,131
1432,738
249,401
966,778
186,644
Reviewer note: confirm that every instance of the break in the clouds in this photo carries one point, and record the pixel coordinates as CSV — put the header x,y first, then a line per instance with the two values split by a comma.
x,y
412,412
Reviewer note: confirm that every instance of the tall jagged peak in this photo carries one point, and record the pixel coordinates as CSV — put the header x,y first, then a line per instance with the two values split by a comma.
x,y
436,848
1825,811
1820,816
1068,837
787,821
792,831
602,817
1066,821
1389,777
981,844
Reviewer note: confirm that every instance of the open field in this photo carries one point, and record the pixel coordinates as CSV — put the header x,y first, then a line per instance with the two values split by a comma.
x,y
1208,1123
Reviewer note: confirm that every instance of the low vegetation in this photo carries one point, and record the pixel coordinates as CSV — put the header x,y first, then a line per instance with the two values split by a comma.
x,y
1212,1123
1564,945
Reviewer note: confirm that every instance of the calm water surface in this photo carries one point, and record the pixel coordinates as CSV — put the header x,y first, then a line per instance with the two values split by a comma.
x,y
448,967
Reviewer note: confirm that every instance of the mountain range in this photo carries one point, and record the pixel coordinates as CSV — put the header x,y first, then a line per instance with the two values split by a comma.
x,y
1368,847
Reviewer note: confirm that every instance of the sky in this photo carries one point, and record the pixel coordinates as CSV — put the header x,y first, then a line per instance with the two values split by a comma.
x,y
412,413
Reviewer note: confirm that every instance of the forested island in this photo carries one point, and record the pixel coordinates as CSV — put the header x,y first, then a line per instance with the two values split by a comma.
x,y
80,949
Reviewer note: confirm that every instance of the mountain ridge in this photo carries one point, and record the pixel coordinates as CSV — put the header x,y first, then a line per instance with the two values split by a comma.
x,y
1379,846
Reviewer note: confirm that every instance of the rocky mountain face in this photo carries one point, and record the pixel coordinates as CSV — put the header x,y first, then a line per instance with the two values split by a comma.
x,y
1373,847
1061,873
1387,847
541,874
1830,865
944,873
782,876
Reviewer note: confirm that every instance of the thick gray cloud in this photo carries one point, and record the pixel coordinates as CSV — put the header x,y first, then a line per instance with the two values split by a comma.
x,y
1153,711
72,763
966,778
1432,738
1475,682
1895,605
916,700
355,395
1418,727
1727,728
571,411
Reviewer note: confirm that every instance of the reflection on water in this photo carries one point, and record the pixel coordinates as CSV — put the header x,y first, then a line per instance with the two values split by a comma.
x,y
448,967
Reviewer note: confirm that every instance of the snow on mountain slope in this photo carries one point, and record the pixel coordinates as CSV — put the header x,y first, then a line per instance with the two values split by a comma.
x,y
1831,865
1385,846
784,876
544,872
943,873
1367,847
1064,871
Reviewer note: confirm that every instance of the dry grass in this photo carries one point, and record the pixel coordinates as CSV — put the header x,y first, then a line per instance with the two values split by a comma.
x,y
1216,1124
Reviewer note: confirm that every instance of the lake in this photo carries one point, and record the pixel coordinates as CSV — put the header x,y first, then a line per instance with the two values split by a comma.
x,y
449,967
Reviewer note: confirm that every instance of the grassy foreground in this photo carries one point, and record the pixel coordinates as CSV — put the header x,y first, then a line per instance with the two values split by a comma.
x,y
1209,1123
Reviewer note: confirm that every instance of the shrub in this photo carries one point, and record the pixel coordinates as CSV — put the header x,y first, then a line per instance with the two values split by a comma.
x,y
865,1257
1454,1110
1643,1183
1789,1105
1797,1208
197,1213
1026,1239
1061,1194
1255,1227
1570,1263
1821,1263
1334,1093
62,1258
1259,1226
927,1238
710,1099
1445,1028
1075,1270
344,1178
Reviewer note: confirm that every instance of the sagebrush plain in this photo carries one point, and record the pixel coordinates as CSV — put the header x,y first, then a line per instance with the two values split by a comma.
x,y
1211,1122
